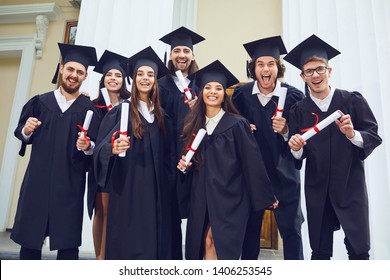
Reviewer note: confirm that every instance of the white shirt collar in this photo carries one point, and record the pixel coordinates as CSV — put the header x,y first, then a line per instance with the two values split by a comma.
x,y
265,98
61,100
145,112
323,104
211,123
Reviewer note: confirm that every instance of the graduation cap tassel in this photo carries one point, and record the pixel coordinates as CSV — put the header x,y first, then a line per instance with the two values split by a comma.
x,y
127,75
307,91
248,73
165,58
55,77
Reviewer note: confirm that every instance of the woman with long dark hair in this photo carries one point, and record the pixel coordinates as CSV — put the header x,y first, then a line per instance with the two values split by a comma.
x,y
229,177
113,80
141,188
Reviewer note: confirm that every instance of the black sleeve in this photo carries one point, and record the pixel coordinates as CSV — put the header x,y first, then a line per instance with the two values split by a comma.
x,y
30,109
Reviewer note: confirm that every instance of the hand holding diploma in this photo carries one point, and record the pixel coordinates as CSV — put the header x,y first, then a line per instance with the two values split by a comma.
x,y
345,125
278,122
297,141
83,142
187,92
320,126
185,161
124,124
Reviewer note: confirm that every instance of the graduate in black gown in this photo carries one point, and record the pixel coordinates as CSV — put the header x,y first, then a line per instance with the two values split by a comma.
x,y
257,101
335,187
177,106
229,176
139,221
113,80
52,194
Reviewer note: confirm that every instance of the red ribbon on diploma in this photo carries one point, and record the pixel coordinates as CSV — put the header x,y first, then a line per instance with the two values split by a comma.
x,y
109,107
312,127
85,133
190,147
185,90
277,109
114,134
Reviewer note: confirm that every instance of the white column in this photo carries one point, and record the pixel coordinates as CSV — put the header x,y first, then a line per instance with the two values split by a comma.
x,y
360,30
124,27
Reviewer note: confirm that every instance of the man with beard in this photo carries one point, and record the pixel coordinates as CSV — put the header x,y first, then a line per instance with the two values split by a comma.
x,y
51,197
176,105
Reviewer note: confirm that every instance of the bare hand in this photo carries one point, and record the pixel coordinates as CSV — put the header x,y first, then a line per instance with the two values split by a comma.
x,y
31,125
345,125
274,205
191,103
182,164
296,142
121,144
253,127
279,124
83,143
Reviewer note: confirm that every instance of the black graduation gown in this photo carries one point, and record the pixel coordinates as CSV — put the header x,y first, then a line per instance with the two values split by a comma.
x,y
52,192
335,167
139,222
279,162
230,182
172,100
92,184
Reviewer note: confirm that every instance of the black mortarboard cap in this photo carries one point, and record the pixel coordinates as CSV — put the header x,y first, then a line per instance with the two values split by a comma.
x,y
108,61
82,54
146,57
312,46
271,46
182,37
214,72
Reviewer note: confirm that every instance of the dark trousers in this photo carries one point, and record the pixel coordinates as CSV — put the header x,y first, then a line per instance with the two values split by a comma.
x,y
325,248
63,254
292,243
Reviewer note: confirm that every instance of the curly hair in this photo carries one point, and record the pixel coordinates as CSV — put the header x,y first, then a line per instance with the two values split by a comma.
x,y
280,65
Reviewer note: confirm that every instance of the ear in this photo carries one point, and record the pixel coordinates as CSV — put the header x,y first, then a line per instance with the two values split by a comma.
x,y
329,71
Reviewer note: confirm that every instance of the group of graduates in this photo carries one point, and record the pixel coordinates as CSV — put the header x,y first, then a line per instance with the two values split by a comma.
x,y
140,183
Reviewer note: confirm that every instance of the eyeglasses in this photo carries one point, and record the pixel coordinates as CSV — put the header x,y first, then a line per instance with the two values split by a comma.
x,y
320,70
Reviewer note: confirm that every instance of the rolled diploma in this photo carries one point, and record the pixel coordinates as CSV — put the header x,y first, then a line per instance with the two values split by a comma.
x,y
187,92
106,98
195,144
124,122
87,122
281,101
321,125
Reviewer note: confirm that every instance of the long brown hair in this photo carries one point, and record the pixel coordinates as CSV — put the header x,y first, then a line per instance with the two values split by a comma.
x,y
154,96
196,119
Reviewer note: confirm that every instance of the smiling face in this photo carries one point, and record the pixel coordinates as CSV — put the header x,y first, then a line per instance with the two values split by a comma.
x,y
113,80
213,94
318,83
145,79
182,57
266,72
72,76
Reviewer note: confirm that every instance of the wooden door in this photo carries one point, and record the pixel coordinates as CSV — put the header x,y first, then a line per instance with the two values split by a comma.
x,y
269,231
